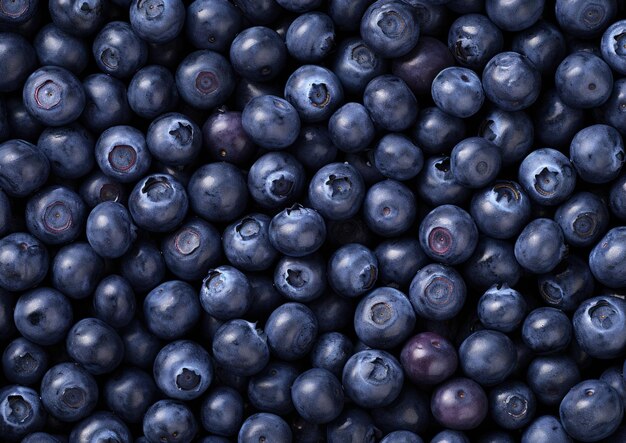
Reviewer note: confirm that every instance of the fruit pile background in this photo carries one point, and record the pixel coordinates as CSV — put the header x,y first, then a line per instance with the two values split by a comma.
x,y
274,221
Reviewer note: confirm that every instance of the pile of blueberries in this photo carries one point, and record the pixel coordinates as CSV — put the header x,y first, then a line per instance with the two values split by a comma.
x,y
344,221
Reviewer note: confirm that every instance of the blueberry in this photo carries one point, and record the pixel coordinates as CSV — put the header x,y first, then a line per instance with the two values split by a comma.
x,y
225,293
599,325
183,370
410,412
246,243
353,423
612,46
384,318
390,27
101,426
110,231
129,393
591,410
583,219
258,54
512,132
390,102
157,21
314,91
402,437
613,109
76,270
396,157
511,81
297,231
501,308
23,168
69,149
260,12
106,102
355,64
428,359
583,80
23,261
169,421
547,176
95,345
192,249
567,285
22,123
372,378
204,79
584,19
266,298
436,184
331,351
475,162
458,91
143,266
217,192
551,377
22,412
20,59
171,309
605,259
543,43
512,405
493,262
545,428
59,48
488,357
271,122
241,348
212,24
291,331
270,389
336,191
222,411
459,404
140,346
41,437
313,147
437,291
80,18
55,215
389,208
317,395
118,50
450,436
412,67
352,270
19,12
265,426
473,40
526,13
540,247
448,234
275,180
152,92
114,301
597,153
398,261
300,279
68,392
501,210
121,153
350,128
310,37
24,362
158,203
347,13
547,330
224,139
